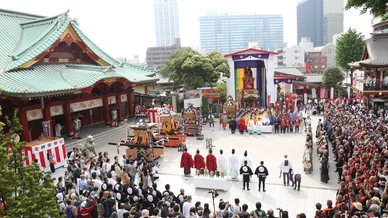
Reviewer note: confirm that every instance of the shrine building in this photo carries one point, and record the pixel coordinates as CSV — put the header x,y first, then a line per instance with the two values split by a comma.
x,y
51,71
370,79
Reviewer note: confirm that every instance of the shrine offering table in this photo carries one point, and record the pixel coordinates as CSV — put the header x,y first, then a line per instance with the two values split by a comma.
x,y
212,183
266,129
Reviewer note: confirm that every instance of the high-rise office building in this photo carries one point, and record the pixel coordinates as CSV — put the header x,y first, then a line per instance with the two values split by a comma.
x,y
310,21
166,22
158,56
333,19
228,34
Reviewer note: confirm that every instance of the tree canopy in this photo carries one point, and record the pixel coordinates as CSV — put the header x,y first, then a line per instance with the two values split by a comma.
x,y
193,70
221,89
205,106
350,47
333,77
26,191
376,7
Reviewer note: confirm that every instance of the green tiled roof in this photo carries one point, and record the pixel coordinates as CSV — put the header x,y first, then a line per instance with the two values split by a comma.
x,y
93,47
11,33
35,43
62,78
27,36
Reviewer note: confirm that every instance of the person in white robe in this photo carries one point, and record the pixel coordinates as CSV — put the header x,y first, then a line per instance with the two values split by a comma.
x,y
308,121
222,163
233,165
259,125
58,129
245,158
265,121
368,80
251,125
386,80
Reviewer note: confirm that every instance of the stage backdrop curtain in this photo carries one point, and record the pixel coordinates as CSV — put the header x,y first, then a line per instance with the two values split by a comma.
x,y
259,73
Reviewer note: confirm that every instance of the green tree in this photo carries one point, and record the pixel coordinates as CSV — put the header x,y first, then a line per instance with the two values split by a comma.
x,y
376,7
333,77
26,190
205,106
349,48
221,89
193,70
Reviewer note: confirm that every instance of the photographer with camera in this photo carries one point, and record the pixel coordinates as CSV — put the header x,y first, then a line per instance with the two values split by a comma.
x,y
258,212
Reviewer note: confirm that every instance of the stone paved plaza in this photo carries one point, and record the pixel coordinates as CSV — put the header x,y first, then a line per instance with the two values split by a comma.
x,y
268,147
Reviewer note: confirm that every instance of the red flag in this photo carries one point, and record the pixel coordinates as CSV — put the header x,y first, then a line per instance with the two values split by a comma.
x,y
278,105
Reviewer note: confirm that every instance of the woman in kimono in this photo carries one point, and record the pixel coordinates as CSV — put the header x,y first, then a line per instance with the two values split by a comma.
x,y
259,125
324,169
307,160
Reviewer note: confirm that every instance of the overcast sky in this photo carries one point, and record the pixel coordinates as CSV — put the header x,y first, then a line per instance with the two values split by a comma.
x,y
124,28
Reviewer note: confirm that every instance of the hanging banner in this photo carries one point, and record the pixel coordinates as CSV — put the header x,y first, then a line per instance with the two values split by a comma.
x,y
294,102
305,98
278,105
313,93
323,91
268,99
348,92
150,143
46,128
331,93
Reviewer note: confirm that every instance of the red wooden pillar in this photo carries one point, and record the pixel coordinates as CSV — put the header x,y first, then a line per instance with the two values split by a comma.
x,y
119,106
105,108
68,119
131,108
25,134
378,79
47,117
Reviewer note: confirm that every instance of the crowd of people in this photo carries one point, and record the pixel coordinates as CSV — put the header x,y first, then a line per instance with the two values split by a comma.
x,y
357,136
100,187
255,119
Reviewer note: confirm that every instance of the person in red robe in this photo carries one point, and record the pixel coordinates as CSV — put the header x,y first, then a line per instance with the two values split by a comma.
x,y
199,161
288,124
186,162
211,162
241,125
283,123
